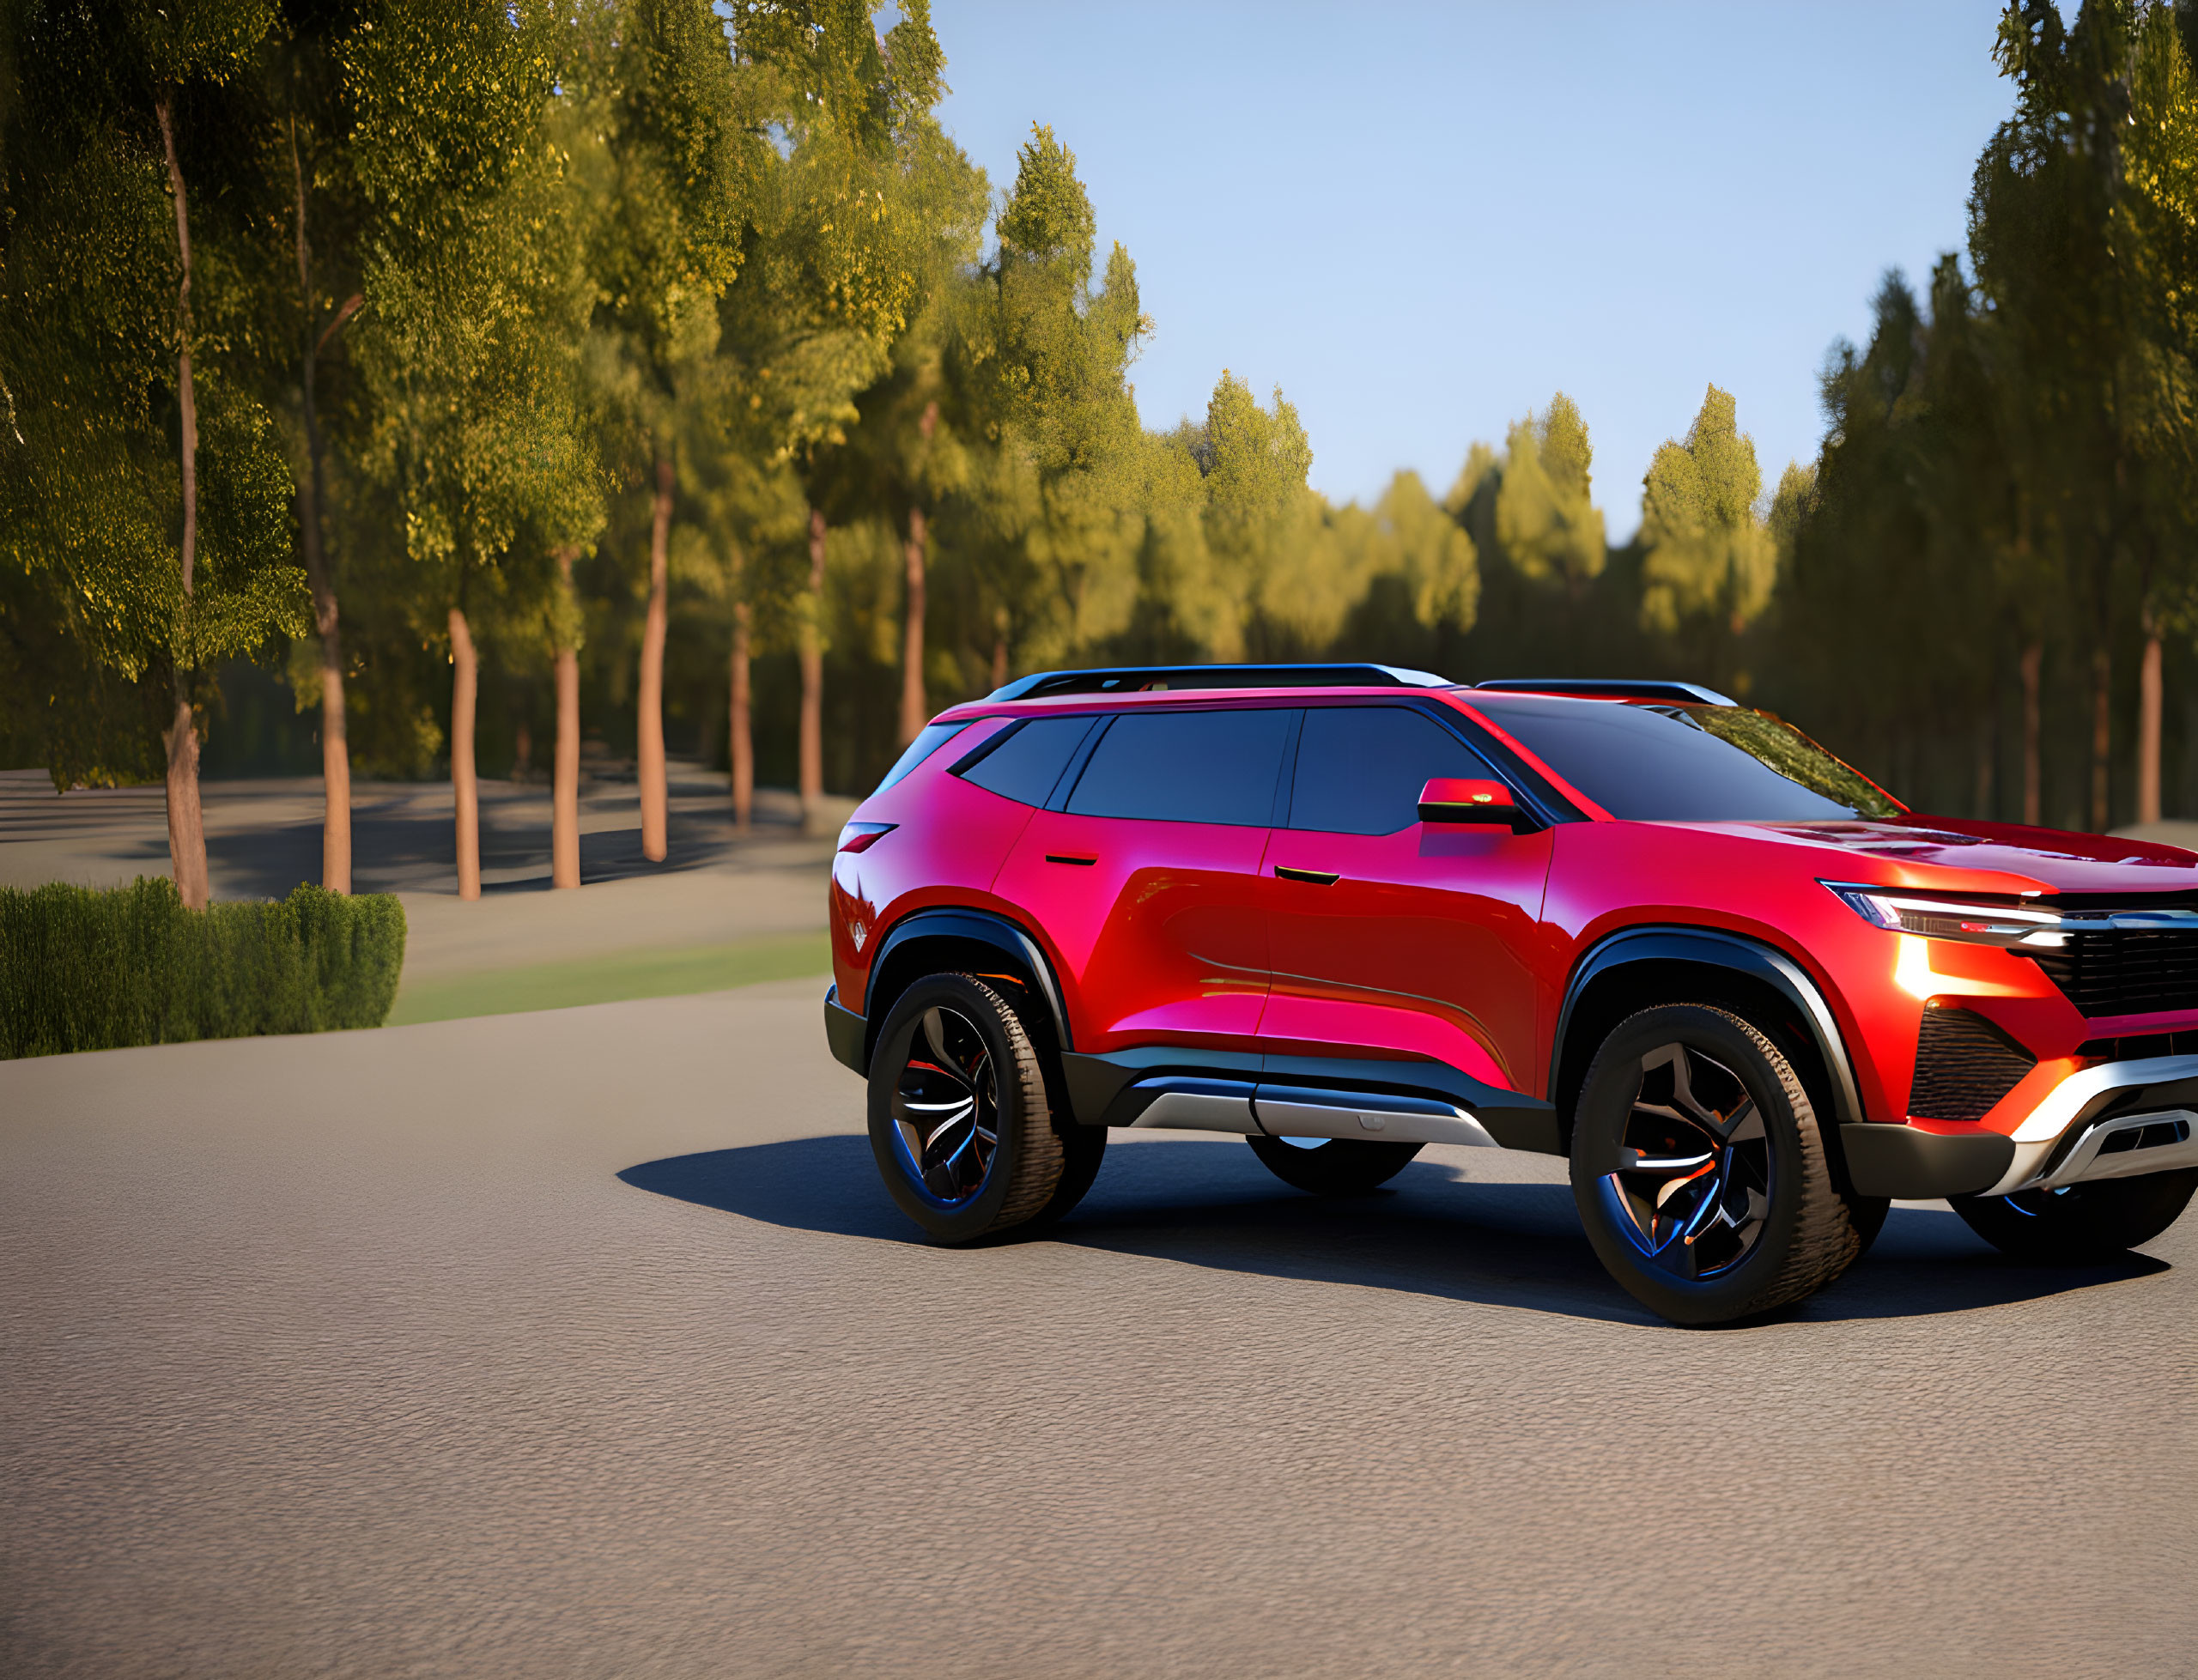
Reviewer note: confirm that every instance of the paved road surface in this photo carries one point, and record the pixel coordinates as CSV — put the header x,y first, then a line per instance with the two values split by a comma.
x,y
585,1343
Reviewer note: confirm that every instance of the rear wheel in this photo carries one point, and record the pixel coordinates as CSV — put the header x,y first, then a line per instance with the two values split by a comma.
x,y
2078,1224
1333,1165
1699,1169
959,1120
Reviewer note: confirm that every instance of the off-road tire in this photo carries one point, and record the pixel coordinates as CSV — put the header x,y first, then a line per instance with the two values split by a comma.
x,y
1340,1167
1805,1233
2083,1224
1027,1160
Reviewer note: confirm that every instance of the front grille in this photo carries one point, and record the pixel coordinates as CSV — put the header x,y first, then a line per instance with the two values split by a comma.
x,y
2141,1047
2126,971
1963,1064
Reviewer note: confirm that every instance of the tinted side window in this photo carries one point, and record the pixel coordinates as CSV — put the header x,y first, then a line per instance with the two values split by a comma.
x,y
1023,763
1360,768
1186,766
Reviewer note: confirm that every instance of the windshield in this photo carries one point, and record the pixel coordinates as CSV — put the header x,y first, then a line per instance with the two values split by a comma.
x,y
1686,763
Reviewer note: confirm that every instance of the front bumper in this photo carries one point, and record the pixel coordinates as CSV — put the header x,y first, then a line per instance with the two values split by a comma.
x,y
2118,1119
2114,1120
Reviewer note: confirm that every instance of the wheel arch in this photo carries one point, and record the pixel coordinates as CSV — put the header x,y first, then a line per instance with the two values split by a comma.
x,y
1637,967
957,940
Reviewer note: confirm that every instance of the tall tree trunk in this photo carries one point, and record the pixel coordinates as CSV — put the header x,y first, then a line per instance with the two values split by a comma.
x,y
999,656
465,682
812,678
334,748
2148,725
2033,662
565,775
2102,733
914,714
743,724
655,798
187,820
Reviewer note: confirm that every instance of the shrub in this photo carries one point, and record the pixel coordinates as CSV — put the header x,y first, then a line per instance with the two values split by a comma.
x,y
81,969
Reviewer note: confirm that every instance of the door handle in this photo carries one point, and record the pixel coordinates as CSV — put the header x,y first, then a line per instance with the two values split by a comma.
x,y
1317,877
1071,858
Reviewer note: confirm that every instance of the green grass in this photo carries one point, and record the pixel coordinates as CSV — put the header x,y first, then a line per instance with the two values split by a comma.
x,y
609,979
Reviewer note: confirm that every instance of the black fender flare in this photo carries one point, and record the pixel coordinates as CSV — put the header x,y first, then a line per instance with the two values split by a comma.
x,y
1717,948
985,927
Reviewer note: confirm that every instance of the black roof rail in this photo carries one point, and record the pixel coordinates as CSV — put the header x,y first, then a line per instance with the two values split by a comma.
x,y
1132,679
1608,688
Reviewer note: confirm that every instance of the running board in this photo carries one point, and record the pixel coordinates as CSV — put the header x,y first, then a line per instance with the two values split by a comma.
x,y
1252,1095
1174,1102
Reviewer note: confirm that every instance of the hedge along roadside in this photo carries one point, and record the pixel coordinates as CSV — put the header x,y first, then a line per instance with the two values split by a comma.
x,y
83,969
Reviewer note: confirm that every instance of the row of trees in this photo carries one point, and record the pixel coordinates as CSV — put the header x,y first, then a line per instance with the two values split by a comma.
x,y
653,363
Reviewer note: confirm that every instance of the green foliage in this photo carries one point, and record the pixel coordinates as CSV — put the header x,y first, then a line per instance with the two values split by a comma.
x,y
91,326
467,349
1546,516
1709,556
589,238
81,969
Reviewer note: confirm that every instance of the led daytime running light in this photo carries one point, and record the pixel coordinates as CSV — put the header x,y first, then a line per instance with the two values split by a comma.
x,y
1969,923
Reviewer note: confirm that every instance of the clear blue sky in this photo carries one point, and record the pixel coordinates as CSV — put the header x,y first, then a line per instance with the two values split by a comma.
x,y
1420,220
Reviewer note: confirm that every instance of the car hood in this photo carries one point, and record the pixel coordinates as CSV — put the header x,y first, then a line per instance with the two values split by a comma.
x,y
1923,851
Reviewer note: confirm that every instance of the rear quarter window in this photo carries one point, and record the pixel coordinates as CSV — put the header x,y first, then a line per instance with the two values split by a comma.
x,y
1023,762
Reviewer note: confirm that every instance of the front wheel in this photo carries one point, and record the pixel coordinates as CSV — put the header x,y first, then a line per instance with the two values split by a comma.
x,y
1698,1169
2080,1223
1333,1165
959,1122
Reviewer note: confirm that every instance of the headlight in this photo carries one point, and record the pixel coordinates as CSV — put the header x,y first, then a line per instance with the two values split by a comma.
x,y
1969,920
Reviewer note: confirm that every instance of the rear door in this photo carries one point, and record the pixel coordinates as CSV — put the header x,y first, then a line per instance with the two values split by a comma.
x,y
1143,876
1386,934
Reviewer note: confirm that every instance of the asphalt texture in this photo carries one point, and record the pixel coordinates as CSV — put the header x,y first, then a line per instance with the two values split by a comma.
x,y
587,1344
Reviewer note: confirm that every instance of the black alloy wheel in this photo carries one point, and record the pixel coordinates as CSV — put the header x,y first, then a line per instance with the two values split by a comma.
x,y
1692,1187
1699,1169
961,1124
946,1107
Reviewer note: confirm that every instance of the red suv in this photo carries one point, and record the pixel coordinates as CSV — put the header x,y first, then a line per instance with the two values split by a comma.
x,y
1347,911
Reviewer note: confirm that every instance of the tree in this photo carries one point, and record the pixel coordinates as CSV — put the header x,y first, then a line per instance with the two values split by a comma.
x,y
2161,182
1546,516
672,171
2043,215
312,118
467,343
1710,562
1047,356
121,315
835,277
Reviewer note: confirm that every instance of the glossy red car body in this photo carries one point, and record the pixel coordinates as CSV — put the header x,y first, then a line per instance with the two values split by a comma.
x,y
1501,955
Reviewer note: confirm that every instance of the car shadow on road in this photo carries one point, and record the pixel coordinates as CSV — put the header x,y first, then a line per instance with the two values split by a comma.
x,y
1429,1232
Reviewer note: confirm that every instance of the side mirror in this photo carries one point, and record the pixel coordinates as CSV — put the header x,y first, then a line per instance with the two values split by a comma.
x,y
1454,800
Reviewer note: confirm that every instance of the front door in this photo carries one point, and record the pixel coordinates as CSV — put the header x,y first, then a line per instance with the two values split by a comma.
x,y
1386,934
1146,883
